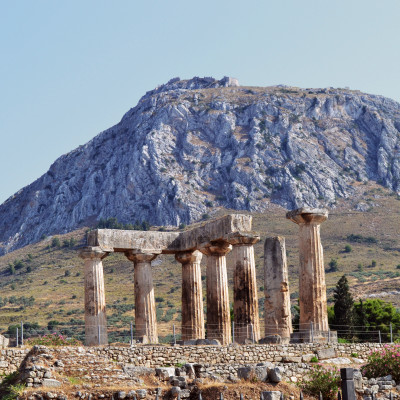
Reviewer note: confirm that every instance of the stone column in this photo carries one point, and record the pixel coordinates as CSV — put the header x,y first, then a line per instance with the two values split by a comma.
x,y
312,288
278,318
218,312
95,300
145,306
245,298
192,295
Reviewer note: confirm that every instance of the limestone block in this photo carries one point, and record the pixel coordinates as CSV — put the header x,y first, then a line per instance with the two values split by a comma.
x,y
165,373
51,383
323,354
3,341
141,393
270,395
275,374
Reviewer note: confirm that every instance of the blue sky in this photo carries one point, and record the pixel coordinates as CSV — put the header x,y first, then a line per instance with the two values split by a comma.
x,y
70,69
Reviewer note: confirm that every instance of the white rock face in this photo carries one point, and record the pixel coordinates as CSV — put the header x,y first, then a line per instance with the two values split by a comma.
x,y
189,143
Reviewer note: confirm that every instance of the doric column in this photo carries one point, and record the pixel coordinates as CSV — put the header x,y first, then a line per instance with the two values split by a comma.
x,y
218,312
245,298
145,306
312,288
278,318
95,300
192,295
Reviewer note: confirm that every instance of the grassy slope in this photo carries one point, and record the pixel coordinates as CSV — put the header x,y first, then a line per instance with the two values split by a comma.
x,y
56,277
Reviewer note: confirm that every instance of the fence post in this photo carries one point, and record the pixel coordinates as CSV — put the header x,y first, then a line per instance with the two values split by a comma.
x,y
347,384
131,334
233,332
391,333
22,333
17,338
380,339
312,332
173,330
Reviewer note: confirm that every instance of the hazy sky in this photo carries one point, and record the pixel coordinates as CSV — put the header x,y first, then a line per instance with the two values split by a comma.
x,y
70,69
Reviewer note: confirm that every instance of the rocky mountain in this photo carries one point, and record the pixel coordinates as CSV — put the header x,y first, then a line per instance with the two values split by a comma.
x,y
191,146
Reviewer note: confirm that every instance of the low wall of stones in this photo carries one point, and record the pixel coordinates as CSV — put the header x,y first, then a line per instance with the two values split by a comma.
x,y
156,356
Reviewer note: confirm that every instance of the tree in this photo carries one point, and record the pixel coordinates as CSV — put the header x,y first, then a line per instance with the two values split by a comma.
x,y
343,307
348,248
55,242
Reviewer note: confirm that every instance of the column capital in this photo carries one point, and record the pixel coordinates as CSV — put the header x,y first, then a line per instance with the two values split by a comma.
x,y
140,256
243,239
306,215
92,253
185,257
216,248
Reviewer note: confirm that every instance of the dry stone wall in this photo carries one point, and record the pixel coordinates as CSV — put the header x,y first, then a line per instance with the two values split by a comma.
x,y
156,356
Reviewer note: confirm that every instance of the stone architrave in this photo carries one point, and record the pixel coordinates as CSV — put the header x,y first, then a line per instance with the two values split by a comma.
x,y
192,295
278,318
218,311
95,301
145,306
245,298
312,287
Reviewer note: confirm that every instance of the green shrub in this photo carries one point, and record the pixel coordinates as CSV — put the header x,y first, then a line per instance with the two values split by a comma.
x,y
55,242
325,380
354,355
348,248
383,362
53,340
314,359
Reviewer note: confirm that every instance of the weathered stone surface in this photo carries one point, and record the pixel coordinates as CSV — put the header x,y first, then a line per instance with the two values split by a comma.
x,y
270,395
291,359
169,242
253,372
141,393
245,298
145,306
323,354
136,371
3,341
218,311
278,317
175,391
275,374
312,287
95,301
192,295
51,383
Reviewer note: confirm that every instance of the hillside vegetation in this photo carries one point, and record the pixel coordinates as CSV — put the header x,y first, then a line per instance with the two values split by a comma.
x,y
43,283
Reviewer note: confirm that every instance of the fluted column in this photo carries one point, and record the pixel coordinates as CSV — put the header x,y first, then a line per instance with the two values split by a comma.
x,y
95,300
218,312
245,298
277,314
192,295
145,306
312,287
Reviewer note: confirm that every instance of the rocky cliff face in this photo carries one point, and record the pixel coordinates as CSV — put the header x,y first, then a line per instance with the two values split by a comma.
x,y
190,146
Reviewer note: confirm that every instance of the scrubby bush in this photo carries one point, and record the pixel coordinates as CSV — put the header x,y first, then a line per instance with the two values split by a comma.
x,y
383,362
321,379
53,340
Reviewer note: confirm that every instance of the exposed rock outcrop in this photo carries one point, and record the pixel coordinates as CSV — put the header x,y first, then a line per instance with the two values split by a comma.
x,y
191,145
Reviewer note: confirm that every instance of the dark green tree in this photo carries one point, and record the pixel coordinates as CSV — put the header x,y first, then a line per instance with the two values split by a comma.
x,y
343,307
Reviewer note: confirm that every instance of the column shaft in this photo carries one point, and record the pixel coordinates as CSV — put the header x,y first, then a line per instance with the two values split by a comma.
x,y
95,301
192,296
245,296
145,306
312,287
277,314
218,311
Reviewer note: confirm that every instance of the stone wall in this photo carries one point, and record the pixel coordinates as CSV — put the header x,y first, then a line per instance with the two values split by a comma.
x,y
155,356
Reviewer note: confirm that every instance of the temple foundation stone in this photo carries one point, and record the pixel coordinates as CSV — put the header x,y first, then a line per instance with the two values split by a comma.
x,y
245,298
278,318
145,306
192,295
312,287
95,300
218,312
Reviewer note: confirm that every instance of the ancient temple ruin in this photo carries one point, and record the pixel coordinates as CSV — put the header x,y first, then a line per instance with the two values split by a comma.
x,y
214,239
